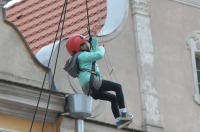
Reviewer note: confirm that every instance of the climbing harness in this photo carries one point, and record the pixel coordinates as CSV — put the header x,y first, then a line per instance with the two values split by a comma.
x,y
88,70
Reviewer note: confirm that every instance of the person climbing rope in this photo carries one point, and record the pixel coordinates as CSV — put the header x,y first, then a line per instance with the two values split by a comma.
x,y
90,78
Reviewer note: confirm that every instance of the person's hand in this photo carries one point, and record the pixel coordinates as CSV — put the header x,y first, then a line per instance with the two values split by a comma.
x,y
95,30
101,44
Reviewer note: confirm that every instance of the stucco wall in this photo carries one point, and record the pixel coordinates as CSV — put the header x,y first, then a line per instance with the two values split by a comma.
x,y
21,78
19,124
17,63
171,24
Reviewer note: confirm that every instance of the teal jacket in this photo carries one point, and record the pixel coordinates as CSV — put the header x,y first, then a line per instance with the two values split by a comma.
x,y
85,61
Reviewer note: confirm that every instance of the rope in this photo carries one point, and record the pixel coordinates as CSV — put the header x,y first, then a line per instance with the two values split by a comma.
x,y
106,58
108,62
64,8
101,38
88,27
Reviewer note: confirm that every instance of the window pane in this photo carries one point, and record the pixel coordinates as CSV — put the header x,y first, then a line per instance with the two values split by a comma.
x,y
198,63
199,88
198,70
198,75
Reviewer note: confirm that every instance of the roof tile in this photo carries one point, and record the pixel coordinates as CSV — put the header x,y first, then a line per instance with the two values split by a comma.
x,y
38,20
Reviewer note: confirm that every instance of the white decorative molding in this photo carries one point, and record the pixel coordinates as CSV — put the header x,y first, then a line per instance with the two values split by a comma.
x,y
140,7
144,44
116,31
195,3
193,43
6,130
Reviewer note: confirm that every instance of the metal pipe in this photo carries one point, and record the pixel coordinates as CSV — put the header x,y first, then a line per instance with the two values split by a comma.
x,y
79,125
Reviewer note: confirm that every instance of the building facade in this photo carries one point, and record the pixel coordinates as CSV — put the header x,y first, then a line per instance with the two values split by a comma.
x,y
154,54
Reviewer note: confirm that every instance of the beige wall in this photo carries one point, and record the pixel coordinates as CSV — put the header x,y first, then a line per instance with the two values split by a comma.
x,y
171,24
18,63
20,124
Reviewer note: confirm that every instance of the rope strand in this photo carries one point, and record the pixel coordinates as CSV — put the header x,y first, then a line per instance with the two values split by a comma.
x,y
88,27
46,74
63,23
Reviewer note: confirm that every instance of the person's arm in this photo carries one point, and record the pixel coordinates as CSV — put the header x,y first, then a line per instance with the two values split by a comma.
x,y
94,41
92,56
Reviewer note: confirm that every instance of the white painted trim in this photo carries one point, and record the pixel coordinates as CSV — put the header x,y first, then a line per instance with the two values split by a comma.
x,y
6,130
194,3
194,46
117,31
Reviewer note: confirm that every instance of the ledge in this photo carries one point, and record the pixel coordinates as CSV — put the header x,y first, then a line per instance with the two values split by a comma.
x,y
21,100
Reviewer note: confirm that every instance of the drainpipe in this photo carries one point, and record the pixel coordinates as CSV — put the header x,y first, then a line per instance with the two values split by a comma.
x,y
79,125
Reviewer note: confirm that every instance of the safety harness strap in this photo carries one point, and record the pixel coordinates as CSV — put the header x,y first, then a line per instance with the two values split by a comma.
x,y
88,70
92,79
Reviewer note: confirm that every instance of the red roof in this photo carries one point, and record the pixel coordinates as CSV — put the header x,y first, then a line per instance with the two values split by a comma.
x,y
38,19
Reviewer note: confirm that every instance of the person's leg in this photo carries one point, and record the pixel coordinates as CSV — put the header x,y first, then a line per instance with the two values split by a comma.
x,y
109,97
111,86
114,106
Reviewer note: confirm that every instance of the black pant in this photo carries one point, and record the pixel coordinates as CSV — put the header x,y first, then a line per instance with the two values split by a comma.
x,y
117,101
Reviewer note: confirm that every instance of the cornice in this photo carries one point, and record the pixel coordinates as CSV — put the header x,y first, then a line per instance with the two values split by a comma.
x,y
20,100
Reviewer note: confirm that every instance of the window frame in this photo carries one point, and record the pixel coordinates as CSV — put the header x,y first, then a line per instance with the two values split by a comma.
x,y
194,46
197,55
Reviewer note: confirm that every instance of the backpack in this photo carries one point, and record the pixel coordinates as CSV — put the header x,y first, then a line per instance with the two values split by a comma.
x,y
72,66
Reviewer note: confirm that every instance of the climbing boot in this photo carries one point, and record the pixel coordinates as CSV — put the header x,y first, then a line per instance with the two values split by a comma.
x,y
121,123
126,116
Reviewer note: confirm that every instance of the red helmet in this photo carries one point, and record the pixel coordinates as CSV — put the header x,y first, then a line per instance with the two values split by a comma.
x,y
74,42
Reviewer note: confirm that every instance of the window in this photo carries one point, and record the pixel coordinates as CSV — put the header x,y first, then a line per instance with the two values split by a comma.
x,y
195,3
198,69
194,47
